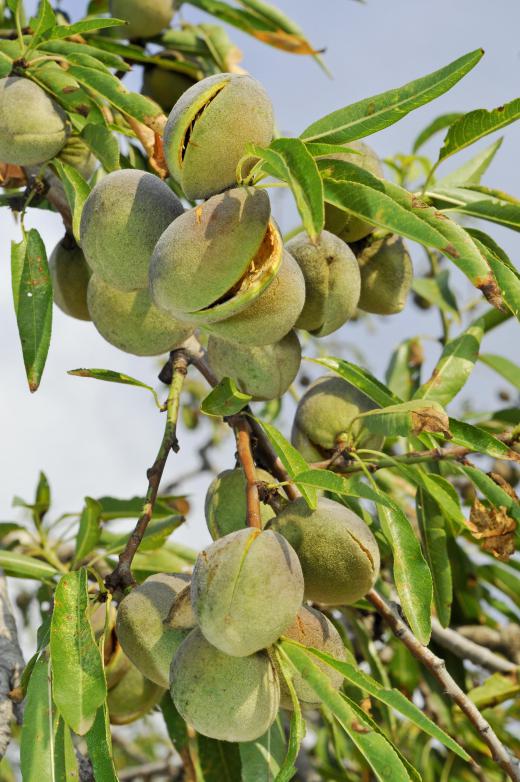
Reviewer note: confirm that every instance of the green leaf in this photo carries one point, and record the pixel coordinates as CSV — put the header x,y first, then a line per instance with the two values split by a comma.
x,y
504,367
291,459
225,399
471,172
437,487
495,690
103,144
67,764
6,65
219,760
175,725
292,163
412,576
297,728
79,686
433,533
492,491
453,367
65,89
157,533
40,755
491,205
339,484
114,508
23,566
109,376
506,276
403,375
477,439
42,500
436,290
85,26
6,527
438,124
375,748
32,296
45,20
262,759
99,745
67,48
390,696
476,124
372,114
361,379
89,529
171,558
407,418
77,191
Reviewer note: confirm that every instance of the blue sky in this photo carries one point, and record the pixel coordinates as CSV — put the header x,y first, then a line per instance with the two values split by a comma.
x,y
93,438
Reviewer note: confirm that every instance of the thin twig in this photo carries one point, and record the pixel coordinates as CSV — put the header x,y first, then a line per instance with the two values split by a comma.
x,y
121,577
469,650
245,455
11,666
437,666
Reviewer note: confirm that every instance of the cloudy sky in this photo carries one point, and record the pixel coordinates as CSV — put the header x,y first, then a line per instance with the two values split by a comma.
x,y
93,438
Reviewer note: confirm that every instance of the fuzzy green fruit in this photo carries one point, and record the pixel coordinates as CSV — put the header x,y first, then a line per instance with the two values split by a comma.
x,y
132,697
130,321
347,226
208,130
312,628
216,258
146,641
324,419
225,505
386,275
272,315
145,18
70,277
33,129
338,553
246,590
181,615
122,219
264,372
223,697
165,87
332,282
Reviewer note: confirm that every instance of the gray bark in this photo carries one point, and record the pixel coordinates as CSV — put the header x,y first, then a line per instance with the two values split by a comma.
x,y
11,666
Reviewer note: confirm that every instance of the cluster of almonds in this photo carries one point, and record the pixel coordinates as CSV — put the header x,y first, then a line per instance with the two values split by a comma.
x,y
149,273
210,637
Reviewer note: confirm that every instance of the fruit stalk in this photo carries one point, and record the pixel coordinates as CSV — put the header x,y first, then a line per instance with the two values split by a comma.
x,y
245,455
437,667
121,577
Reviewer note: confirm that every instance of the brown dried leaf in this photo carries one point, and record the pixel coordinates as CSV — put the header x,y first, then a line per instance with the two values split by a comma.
x,y
494,527
430,419
289,42
12,176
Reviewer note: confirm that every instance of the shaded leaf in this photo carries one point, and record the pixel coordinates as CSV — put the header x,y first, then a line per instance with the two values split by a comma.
x,y
79,686
262,759
291,459
297,728
23,566
175,725
77,191
404,370
109,376
436,290
103,144
99,745
433,534
32,296
225,399
39,754
89,529
219,760
476,124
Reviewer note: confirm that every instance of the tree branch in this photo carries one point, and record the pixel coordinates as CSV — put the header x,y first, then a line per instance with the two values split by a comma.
x,y
469,650
245,455
11,666
177,367
437,666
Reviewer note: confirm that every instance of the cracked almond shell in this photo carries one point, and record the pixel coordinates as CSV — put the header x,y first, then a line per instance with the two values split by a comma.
x,y
386,275
337,551
209,128
246,590
332,282
223,697
217,258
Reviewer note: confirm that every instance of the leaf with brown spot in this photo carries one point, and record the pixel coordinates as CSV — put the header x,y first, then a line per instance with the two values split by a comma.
x,y
430,419
288,42
494,527
407,418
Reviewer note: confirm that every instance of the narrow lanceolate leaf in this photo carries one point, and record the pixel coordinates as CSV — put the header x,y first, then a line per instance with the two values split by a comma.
x,y
77,191
391,697
45,20
375,748
225,399
495,690
506,275
89,529
291,459
32,296
86,26
361,379
412,575
442,491
103,144
79,686
437,291
297,729
23,566
262,759
484,204
339,484
289,160
476,124
471,172
372,114
219,760
99,745
175,725
453,368
438,124
403,375
480,441
433,534
504,367
407,418
109,376
41,757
